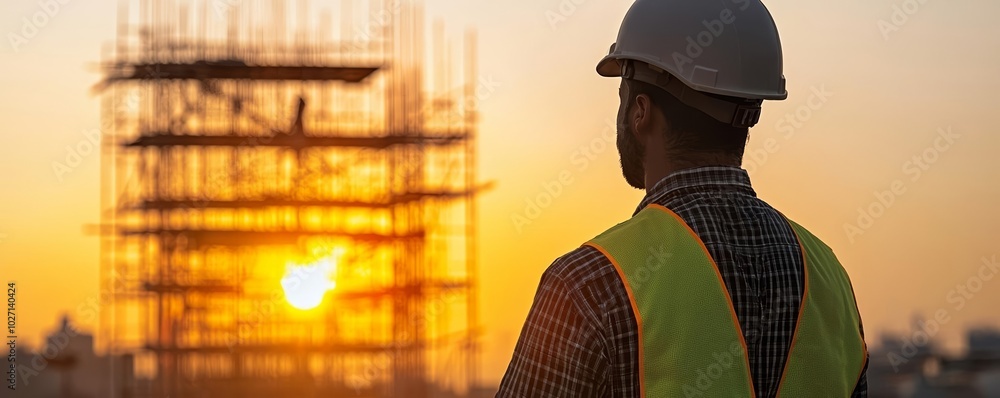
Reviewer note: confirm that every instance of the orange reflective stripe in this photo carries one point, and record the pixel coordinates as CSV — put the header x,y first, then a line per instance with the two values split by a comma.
x,y
864,344
802,309
635,310
824,347
722,282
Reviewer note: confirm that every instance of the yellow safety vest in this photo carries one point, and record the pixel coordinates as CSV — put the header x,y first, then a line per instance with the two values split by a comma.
x,y
690,342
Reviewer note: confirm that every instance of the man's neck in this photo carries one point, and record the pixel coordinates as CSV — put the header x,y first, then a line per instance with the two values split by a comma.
x,y
657,174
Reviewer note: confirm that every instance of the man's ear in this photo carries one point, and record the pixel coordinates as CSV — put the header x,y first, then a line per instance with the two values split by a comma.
x,y
642,116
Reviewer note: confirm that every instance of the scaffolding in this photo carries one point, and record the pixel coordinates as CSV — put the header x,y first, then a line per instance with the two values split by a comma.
x,y
288,210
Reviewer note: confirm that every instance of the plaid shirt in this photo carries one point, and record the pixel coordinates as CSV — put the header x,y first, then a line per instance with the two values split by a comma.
x,y
580,338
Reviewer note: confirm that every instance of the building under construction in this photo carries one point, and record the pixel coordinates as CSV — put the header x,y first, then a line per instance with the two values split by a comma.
x,y
288,201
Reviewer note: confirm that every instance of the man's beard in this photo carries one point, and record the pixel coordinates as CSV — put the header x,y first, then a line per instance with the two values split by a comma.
x,y
630,152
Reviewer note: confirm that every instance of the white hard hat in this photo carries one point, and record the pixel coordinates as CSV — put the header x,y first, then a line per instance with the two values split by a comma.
x,y
702,51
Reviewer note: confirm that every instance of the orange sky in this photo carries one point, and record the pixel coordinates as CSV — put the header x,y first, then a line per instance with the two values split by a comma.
x,y
887,97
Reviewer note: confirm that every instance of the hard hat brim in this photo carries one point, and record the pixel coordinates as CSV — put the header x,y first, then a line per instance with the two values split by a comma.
x,y
609,66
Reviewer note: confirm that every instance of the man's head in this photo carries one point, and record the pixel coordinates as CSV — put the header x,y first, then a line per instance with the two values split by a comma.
x,y
694,75
655,127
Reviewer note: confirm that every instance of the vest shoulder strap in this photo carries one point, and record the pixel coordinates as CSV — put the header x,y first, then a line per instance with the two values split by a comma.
x,y
690,343
828,352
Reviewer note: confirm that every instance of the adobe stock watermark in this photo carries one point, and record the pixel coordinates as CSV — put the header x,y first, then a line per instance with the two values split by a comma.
x,y
222,7
48,9
958,297
901,14
486,86
56,343
375,364
553,188
261,312
266,308
562,11
788,125
363,35
706,377
655,259
90,143
75,154
713,30
915,167
725,360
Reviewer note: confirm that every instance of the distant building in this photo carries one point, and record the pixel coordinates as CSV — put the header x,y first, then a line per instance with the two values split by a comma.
x,y
67,367
912,367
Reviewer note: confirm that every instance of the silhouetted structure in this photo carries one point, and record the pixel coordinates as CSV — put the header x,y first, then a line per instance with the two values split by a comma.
x,y
248,160
914,368
66,366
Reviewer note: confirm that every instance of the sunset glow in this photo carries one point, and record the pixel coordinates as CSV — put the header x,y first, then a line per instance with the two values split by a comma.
x,y
306,285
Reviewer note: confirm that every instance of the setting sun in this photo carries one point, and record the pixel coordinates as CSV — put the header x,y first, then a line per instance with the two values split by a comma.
x,y
305,285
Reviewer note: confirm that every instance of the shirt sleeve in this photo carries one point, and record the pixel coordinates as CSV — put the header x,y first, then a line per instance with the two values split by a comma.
x,y
558,353
861,389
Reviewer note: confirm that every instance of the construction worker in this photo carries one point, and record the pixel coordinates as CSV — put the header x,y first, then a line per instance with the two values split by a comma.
x,y
707,291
